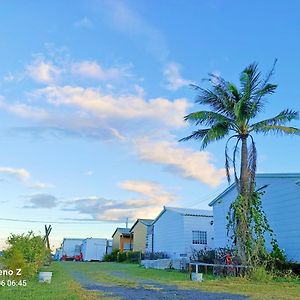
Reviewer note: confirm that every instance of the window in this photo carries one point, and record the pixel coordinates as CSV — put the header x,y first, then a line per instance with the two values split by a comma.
x,y
199,237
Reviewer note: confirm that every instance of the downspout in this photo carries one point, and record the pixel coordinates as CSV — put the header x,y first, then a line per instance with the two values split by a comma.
x,y
152,241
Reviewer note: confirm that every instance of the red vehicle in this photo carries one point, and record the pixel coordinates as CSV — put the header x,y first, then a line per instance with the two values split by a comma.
x,y
72,258
78,257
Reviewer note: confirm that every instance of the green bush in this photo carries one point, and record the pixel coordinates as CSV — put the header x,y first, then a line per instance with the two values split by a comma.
x,y
121,257
260,274
128,256
27,252
133,256
112,256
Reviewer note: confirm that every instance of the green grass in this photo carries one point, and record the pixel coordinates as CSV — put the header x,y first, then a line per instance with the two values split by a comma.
x,y
62,287
127,274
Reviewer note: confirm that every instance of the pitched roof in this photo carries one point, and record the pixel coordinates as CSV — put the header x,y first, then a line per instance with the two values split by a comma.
x,y
261,175
146,222
124,231
186,212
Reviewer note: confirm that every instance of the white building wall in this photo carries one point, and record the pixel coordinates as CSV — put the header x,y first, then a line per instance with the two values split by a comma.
x,y
197,223
168,234
281,202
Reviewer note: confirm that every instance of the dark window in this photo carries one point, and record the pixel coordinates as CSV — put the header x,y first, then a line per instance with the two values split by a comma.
x,y
199,237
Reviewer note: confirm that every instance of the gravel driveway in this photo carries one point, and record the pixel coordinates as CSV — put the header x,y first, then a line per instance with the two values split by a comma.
x,y
149,290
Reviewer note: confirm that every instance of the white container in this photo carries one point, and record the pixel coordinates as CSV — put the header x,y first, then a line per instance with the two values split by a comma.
x,y
197,277
45,277
94,249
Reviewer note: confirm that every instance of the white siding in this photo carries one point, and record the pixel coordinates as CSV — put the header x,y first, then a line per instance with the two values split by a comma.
x,y
197,223
168,234
281,203
173,233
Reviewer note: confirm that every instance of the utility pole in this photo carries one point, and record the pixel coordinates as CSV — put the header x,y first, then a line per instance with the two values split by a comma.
x,y
126,222
47,233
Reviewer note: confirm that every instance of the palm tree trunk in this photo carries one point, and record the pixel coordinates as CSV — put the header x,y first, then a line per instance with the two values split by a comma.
x,y
244,175
242,222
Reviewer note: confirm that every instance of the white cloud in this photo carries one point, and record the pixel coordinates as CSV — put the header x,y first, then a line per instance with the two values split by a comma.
x,y
43,71
41,185
110,107
148,206
141,187
184,161
18,173
174,78
25,110
84,23
24,175
93,70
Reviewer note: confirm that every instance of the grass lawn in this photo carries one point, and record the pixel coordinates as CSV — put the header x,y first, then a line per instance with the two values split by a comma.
x,y
127,274
63,287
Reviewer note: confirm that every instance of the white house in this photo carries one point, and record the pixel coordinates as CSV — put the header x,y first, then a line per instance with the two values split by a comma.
x,y
281,203
176,231
94,249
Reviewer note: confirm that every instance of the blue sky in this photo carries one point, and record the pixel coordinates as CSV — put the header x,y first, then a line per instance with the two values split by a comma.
x,y
92,99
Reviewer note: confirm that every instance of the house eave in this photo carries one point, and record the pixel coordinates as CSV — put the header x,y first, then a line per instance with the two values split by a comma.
x,y
260,175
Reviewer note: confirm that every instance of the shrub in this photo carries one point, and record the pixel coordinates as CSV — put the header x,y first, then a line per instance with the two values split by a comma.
x,y
112,256
205,256
27,252
260,274
121,256
133,256
128,256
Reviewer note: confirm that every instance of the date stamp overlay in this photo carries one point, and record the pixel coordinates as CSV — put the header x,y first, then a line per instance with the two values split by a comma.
x,y
12,277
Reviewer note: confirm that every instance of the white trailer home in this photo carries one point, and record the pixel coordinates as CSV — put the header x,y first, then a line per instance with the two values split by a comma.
x,y
94,249
281,203
71,247
177,231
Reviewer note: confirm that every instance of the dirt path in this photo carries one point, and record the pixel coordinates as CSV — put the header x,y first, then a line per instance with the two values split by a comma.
x,y
149,290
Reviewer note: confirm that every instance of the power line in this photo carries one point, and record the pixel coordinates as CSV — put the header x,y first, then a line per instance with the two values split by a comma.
x,y
209,197
54,222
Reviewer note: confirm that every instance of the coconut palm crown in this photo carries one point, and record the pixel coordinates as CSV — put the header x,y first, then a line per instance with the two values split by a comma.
x,y
232,113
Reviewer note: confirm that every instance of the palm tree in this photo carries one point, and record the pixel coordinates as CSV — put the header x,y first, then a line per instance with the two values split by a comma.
x,y
232,115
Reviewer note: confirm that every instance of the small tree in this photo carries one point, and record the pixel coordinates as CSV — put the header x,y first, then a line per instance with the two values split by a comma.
x,y
27,252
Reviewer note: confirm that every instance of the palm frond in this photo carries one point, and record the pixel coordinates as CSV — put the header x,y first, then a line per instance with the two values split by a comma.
x,y
234,91
282,118
228,159
235,152
277,129
207,118
215,133
220,98
270,73
250,80
214,100
257,104
264,89
196,135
